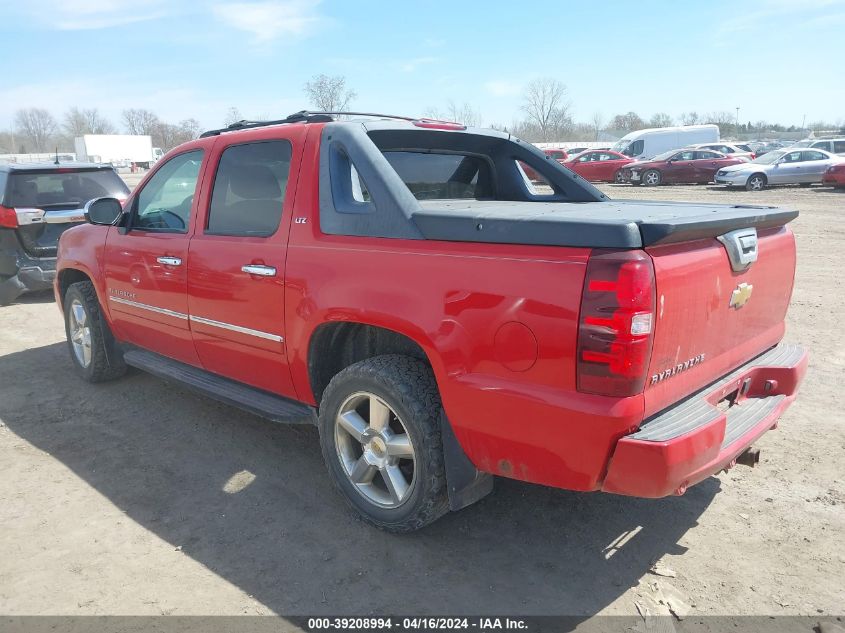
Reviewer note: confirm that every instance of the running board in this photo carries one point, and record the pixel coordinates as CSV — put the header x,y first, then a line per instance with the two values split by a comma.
x,y
236,394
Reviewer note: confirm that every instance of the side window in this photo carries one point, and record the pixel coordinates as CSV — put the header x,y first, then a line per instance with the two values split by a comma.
x,y
636,148
587,158
536,184
249,189
810,155
726,150
839,147
708,155
821,145
792,157
164,204
684,156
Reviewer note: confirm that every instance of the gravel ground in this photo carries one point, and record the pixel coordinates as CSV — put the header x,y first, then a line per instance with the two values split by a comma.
x,y
137,497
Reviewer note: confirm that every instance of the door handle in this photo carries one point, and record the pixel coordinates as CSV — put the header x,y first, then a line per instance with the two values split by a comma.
x,y
258,269
169,261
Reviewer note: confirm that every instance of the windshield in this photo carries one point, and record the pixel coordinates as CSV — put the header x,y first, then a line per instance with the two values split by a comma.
x,y
769,158
64,187
619,146
801,144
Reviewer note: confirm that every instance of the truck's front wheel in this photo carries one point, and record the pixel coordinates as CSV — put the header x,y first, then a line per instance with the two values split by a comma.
x,y
380,435
93,349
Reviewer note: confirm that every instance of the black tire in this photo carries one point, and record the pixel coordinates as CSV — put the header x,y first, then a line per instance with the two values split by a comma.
x,y
657,178
106,359
619,177
804,185
753,179
407,386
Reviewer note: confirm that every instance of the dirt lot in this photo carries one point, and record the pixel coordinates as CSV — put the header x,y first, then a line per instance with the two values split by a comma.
x,y
137,497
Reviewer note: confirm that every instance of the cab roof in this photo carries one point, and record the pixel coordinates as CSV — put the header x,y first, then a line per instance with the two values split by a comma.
x,y
64,167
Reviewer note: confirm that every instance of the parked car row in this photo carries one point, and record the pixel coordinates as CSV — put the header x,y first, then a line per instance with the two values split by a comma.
x,y
781,167
678,166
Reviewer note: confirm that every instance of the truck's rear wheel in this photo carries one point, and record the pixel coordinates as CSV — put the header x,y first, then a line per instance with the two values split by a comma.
x,y
93,349
380,435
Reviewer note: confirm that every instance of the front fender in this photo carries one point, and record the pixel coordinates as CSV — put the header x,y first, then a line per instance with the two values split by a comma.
x,y
81,249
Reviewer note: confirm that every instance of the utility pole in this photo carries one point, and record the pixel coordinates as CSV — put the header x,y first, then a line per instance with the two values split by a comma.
x,y
737,122
803,122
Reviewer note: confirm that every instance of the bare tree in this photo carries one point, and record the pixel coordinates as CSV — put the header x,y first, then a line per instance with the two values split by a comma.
x,y
190,129
546,107
139,121
598,122
725,120
689,118
233,115
78,122
329,94
660,119
629,122
167,136
7,143
37,128
465,113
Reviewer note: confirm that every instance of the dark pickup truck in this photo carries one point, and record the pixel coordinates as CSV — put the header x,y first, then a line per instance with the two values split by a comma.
x,y
38,202
403,285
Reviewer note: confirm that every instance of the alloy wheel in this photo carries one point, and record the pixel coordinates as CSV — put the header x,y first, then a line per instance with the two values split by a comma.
x,y
375,450
651,178
756,183
80,333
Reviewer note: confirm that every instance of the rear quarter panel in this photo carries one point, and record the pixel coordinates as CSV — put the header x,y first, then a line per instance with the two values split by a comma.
x,y
497,322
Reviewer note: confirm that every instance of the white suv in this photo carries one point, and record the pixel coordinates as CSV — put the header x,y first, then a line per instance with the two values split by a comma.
x,y
832,145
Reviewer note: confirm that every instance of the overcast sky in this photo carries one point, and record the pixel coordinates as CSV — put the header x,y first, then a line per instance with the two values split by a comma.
x,y
778,60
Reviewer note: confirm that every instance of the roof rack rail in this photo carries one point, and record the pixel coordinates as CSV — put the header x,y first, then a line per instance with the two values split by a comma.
x,y
303,116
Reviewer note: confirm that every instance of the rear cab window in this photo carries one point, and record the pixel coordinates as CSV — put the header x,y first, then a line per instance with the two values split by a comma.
x,y
67,187
432,176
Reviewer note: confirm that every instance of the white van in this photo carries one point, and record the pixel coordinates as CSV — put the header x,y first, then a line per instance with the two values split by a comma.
x,y
653,141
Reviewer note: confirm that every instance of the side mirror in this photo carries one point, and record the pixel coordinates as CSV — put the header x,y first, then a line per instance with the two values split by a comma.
x,y
103,211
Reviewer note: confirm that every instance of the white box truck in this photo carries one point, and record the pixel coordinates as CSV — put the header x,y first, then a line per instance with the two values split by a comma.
x,y
650,142
121,150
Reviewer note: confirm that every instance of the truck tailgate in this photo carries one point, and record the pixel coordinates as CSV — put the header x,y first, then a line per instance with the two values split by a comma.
x,y
711,319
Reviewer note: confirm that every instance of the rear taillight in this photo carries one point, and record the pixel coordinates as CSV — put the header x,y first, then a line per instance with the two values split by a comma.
x,y
616,325
8,218
13,218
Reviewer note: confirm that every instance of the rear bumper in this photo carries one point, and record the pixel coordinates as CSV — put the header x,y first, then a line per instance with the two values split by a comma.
x,y
31,276
687,443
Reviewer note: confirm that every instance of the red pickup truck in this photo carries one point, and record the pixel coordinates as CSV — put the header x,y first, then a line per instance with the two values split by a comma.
x,y
401,284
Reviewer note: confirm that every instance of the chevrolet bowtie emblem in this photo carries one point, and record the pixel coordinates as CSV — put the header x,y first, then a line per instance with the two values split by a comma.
x,y
741,295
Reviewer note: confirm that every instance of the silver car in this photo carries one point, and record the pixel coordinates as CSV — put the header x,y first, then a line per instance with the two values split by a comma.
x,y
791,166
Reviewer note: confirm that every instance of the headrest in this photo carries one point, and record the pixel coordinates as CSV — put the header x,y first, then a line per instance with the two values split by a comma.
x,y
254,182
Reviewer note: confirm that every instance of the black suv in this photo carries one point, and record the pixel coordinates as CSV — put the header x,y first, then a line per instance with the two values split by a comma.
x,y
38,202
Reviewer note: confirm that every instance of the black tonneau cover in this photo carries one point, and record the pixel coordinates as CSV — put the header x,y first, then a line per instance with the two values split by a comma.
x,y
606,224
